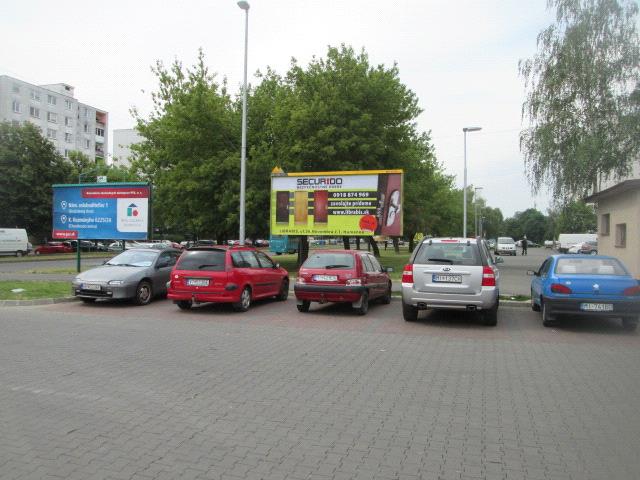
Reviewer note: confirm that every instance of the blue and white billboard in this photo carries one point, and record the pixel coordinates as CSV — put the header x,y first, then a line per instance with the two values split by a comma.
x,y
111,210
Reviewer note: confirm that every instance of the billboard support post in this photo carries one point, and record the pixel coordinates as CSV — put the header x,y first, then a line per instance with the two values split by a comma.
x,y
78,257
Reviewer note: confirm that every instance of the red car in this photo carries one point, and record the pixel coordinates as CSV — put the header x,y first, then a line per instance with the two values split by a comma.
x,y
342,276
225,274
54,247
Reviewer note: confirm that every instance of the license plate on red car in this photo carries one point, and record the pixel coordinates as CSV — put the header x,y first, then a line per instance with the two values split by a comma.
x,y
198,282
325,278
596,307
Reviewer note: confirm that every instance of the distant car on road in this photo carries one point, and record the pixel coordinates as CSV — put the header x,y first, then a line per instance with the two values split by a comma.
x,y
506,246
574,249
137,273
548,243
589,248
594,285
53,247
491,243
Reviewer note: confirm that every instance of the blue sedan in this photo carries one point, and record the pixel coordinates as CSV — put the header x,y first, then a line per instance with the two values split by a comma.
x,y
594,285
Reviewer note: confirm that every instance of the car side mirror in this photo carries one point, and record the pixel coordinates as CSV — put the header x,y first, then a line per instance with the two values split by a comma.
x,y
276,265
531,273
499,259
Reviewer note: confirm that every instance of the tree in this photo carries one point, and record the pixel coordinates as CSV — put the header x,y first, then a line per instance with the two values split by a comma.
x,y
530,222
582,101
30,165
493,221
576,217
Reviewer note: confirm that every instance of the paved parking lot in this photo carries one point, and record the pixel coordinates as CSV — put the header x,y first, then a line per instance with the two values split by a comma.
x,y
122,392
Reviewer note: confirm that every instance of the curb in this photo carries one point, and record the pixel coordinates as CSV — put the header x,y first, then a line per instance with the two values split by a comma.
x,y
36,301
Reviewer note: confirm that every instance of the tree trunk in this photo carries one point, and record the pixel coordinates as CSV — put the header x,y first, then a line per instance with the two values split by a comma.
x,y
357,243
374,246
396,245
303,249
411,242
345,241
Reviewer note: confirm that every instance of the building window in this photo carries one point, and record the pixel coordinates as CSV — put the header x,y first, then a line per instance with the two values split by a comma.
x,y
86,128
67,104
68,138
621,235
52,117
34,112
68,122
35,95
15,105
605,224
86,112
51,99
51,133
87,144
16,88
100,132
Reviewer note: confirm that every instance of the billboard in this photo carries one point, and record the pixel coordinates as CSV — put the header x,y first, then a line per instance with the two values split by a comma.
x,y
355,203
96,211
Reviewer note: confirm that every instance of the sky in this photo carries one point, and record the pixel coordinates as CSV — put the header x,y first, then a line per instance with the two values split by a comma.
x,y
460,58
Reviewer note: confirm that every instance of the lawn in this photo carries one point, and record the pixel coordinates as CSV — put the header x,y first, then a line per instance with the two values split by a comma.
x,y
56,270
33,290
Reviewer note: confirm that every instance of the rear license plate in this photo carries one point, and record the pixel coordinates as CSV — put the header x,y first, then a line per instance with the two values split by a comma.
x,y
198,282
91,286
325,278
439,278
596,307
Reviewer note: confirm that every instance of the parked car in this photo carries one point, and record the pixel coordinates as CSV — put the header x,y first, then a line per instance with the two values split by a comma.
x,y
505,246
223,274
530,244
548,243
452,273
14,241
349,276
574,249
588,248
566,240
53,247
137,273
491,243
596,285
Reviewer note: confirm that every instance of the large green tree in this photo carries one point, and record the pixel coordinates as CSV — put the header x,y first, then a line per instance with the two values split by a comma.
x,y
583,114
576,217
530,222
29,164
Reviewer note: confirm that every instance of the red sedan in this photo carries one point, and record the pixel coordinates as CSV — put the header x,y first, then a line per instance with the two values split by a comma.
x,y
53,247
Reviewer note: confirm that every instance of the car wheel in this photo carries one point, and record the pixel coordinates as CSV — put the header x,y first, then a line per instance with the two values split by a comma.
x,y
245,301
490,317
184,304
547,321
386,298
144,293
284,290
409,312
534,306
593,252
630,324
304,306
88,300
364,304
37,252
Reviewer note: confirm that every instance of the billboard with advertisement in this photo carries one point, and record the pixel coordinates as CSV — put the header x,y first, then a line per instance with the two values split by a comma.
x,y
97,211
354,203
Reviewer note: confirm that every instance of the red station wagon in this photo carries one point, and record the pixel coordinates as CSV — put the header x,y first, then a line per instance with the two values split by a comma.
x,y
224,274
342,276
54,247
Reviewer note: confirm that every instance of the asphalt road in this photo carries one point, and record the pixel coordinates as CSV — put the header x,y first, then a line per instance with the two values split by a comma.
x,y
513,272
112,391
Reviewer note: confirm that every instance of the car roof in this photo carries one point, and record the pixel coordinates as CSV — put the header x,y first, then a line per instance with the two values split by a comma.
x,y
559,256
336,250
449,240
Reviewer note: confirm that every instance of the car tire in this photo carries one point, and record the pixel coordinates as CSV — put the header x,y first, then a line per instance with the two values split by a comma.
x,y
144,293
37,252
593,252
630,324
547,320
245,301
88,300
184,304
18,254
534,306
284,290
409,312
364,304
386,298
304,306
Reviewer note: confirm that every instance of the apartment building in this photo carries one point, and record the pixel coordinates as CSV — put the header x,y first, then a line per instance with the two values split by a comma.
x,y
66,122
123,138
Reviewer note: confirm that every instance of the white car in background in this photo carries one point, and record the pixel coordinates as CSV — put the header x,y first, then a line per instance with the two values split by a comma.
x,y
575,249
505,246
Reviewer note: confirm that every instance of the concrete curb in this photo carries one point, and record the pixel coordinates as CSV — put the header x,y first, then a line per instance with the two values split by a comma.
x,y
36,301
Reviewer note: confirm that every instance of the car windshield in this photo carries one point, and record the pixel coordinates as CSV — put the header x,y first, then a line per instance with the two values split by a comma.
x,y
449,253
212,260
134,258
329,261
506,240
589,266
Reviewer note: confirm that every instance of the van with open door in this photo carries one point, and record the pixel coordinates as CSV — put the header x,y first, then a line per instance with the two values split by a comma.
x,y
13,241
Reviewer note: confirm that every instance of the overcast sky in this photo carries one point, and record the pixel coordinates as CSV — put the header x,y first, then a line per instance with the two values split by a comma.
x,y
460,58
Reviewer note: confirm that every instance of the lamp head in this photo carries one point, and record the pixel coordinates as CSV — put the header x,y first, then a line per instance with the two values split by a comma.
x,y
471,129
244,5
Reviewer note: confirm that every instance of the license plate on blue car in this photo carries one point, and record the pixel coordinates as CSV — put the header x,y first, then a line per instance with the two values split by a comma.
x,y
596,307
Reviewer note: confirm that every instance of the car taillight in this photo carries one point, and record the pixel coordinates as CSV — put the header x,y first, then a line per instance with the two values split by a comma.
x,y
407,274
559,288
632,291
353,282
488,276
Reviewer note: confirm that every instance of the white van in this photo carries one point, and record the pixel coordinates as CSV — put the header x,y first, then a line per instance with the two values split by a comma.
x,y
13,241
505,246
567,240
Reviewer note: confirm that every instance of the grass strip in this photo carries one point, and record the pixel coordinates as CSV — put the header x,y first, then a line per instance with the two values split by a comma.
x,y
33,289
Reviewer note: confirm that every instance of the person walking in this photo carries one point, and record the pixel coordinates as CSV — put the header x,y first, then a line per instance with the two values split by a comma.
x,y
524,245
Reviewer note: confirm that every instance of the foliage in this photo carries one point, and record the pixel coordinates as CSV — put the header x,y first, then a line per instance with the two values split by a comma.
x,y
576,217
29,164
33,289
493,221
583,113
530,222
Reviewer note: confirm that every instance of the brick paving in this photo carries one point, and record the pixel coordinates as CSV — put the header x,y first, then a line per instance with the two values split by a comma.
x,y
123,392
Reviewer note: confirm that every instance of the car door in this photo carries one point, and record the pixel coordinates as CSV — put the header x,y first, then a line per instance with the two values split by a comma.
x,y
163,266
378,276
539,279
369,276
248,268
272,277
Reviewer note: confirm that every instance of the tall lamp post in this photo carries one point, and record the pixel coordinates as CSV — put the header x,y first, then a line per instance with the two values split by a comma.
x,y
464,193
243,156
475,202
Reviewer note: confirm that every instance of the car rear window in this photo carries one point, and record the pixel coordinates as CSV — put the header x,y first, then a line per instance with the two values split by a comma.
x,y
329,261
589,266
211,260
448,253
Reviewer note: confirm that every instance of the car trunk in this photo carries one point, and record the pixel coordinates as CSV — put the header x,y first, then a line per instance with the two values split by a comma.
x,y
455,279
323,276
199,281
607,285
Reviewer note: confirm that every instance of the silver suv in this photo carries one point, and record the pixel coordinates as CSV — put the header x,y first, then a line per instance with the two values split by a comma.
x,y
451,273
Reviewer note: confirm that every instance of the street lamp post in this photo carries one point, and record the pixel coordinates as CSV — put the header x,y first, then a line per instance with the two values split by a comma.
x,y
243,156
475,201
464,193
